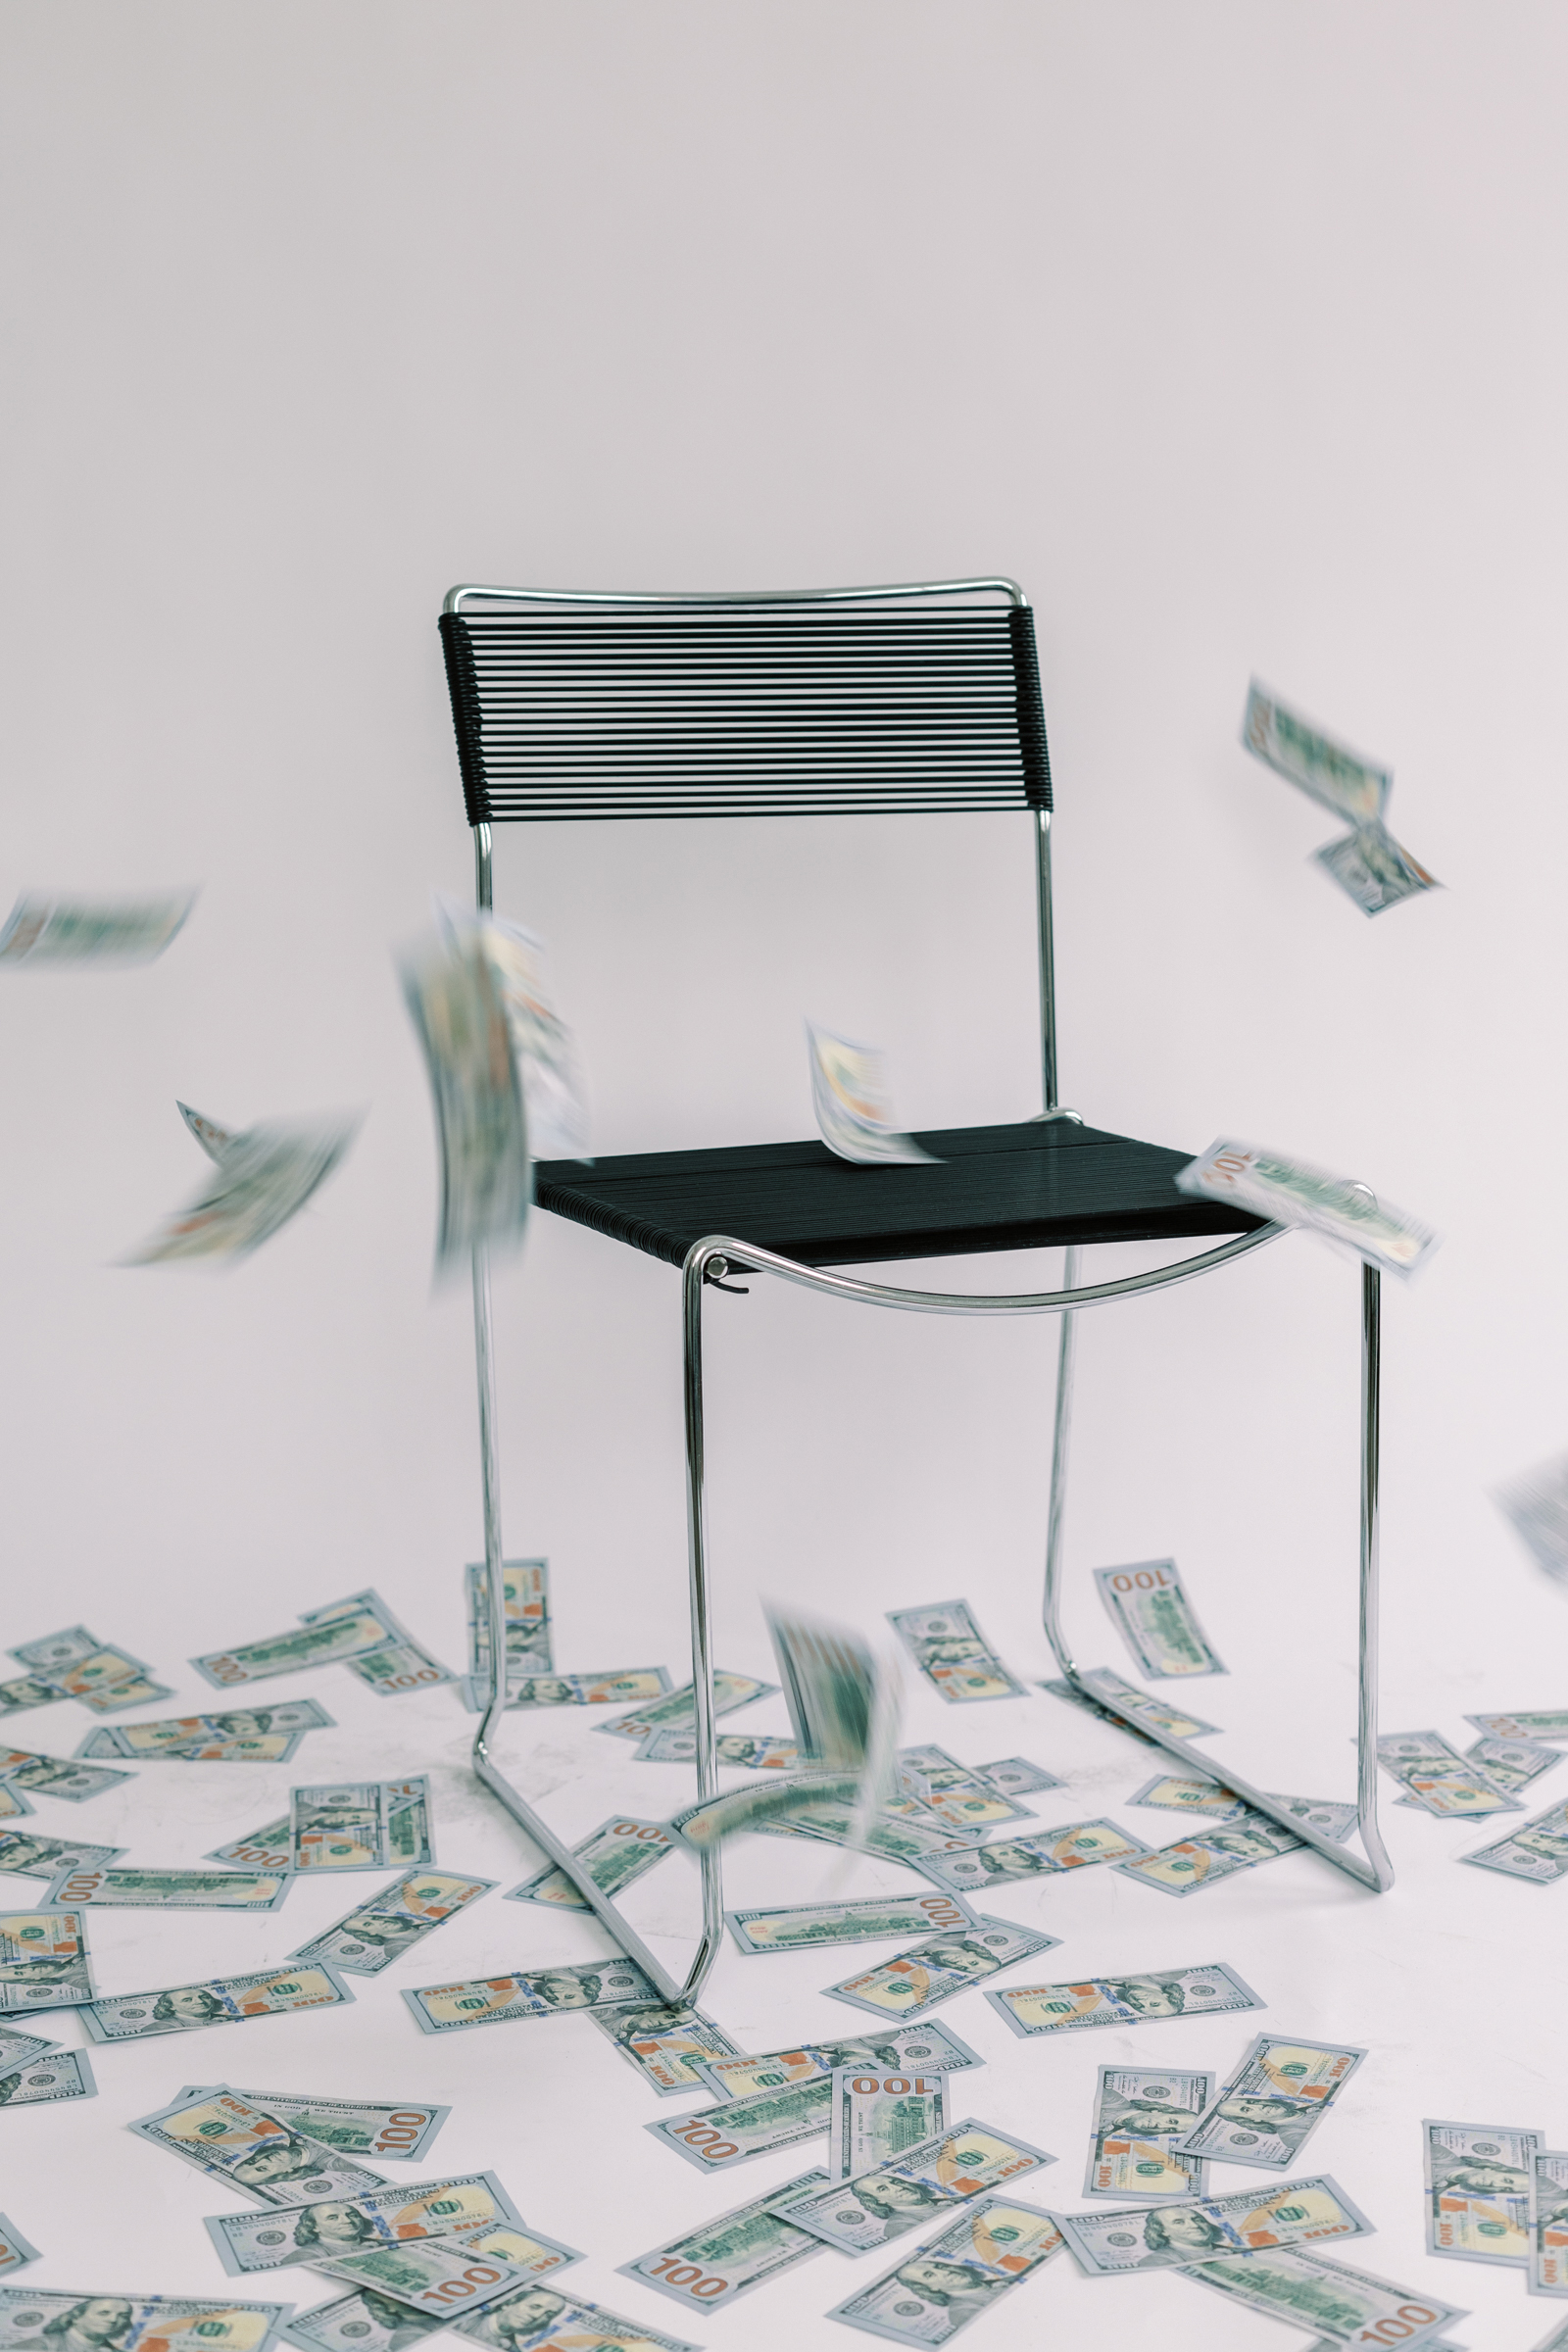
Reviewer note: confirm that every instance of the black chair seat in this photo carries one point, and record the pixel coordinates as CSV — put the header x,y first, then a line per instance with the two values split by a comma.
x,y
1023,1187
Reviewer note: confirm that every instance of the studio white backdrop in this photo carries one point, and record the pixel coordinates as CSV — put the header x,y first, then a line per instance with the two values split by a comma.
x,y
1237,336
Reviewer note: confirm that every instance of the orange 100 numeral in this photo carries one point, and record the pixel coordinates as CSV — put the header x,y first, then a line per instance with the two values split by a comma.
x,y
1409,2319
458,2290
710,2144
689,2279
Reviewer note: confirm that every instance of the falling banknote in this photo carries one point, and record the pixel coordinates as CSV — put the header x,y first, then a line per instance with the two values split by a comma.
x,y
952,1653
619,1851
611,1687
1374,869
1339,778
54,930
1140,2115
1150,1609
253,2148
55,1776
1536,1503
1298,2213
1294,1191
261,1180
916,1980
219,2001
1119,1697
457,1007
373,1934
546,1053
46,1857
948,2169
235,1735
991,2247
850,1097
1478,2191
1273,2101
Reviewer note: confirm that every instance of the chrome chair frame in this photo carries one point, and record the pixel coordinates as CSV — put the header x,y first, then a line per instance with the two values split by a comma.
x,y
712,1259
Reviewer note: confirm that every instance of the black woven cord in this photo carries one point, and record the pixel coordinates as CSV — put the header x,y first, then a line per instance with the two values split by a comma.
x,y
1031,710
463,687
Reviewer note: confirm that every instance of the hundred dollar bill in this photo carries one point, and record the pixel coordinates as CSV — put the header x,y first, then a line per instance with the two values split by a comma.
x,y
842,1707
797,1926
361,1825
265,1848
457,1002
619,1850
1536,1503
877,2116
1102,1713
219,2001
850,1097
715,2265
1015,1776
778,1805
932,2049
984,2250
11,1804
134,2323
1549,2221
525,1604
547,2321
1509,1764
43,1960
1139,2118
20,2050
367,2319
951,1652
1075,1847
15,2251
1341,779
65,2075
1169,1793
743,1751
948,2169
915,1980
549,1069
234,1732
1031,2009
392,2214
730,1690
964,1800
1294,1191
28,1691
1297,2213
1440,1781
383,1928
1374,869
173,1889
1119,1697
542,1992
252,2147
1273,2101
74,1664
400,1664
1147,1604
1195,1862
325,1644
440,2275
272,1748
46,1857
609,1689
1478,2191
45,929
1308,2290
714,2139
664,2041
57,1776
262,1180
397,2132
1538,1849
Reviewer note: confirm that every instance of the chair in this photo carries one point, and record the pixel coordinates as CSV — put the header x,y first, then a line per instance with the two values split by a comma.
x,y
890,701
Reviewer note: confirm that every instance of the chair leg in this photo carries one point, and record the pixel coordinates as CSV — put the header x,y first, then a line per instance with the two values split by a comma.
x,y
1051,1606
692,1280
1366,1793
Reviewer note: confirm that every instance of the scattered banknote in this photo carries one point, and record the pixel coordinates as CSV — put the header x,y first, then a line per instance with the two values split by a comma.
x,y
269,1747
714,2139
730,1690
399,2131
13,1804
57,1776
1140,2115
961,1799
173,1889
1339,779
619,1850
219,2001
545,2321
268,1735
265,1848
15,2251
794,1927
1077,1845
64,2075
947,2282
338,1638
876,2115
361,1825
262,1180
400,1664
374,1932
1374,869
1171,1793
930,2049
1538,1849
609,1689
1031,2009
46,1857
1294,1191
525,1603
664,2042
1273,2101
1120,1698
368,2319
1195,1862
74,1664
1086,1705
1149,1606
432,2275
1478,2191
19,2050
1556,2340
28,1691
849,1097
43,1960
1509,1764
548,1065
1440,1780
1549,2221
713,2266
542,1992
457,1002
952,1653
1536,1503
948,2169
1169,2236
252,2147
392,2214
1545,1722
134,2323
1308,2290
1015,1776
931,1972
742,1751
43,929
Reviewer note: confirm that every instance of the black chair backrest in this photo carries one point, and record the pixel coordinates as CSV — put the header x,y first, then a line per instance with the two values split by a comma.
x,y
751,707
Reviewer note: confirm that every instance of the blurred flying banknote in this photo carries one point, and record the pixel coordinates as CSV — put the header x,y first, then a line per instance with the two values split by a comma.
x,y
1150,1609
915,1980
1339,779
262,1179
43,1960
613,1983
759,2124
399,1664
252,2148
555,1093
730,1690
1374,869
74,1664
739,1752
149,1889
1190,1862
64,2075
844,1702
1140,2114
1036,2009
1440,1779
619,1851
1536,1503
361,1825
802,1927
952,1653
948,2169
458,1006
712,2266
396,2131
217,2001
664,2041
1536,1849
391,2214
877,2116
1477,2178
48,930
1273,2101
1298,2213
850,1097
1308,2290
1549,2221
989,2248
1294,1191
392,1921
525,1600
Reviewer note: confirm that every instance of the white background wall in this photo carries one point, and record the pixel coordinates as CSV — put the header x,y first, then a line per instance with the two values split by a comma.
x,y
1236,334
